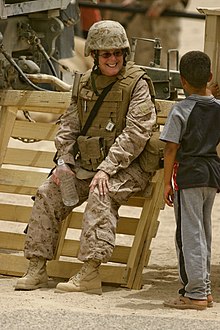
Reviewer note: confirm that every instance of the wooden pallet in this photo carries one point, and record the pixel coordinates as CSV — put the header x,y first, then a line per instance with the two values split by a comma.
x,y
211,39
25,167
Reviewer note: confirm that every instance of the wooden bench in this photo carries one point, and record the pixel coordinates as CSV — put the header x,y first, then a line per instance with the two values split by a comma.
x,y
26,165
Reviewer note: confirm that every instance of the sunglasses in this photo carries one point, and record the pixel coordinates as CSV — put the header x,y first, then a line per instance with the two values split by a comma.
x,y
116,53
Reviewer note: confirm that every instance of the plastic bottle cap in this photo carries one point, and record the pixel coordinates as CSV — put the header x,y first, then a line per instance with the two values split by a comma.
x,y
60,161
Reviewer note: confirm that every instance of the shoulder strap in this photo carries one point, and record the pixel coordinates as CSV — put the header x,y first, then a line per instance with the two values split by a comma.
x,y
95,108
89,120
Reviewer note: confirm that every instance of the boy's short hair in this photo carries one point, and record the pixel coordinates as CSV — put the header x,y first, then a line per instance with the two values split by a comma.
x,y
195,67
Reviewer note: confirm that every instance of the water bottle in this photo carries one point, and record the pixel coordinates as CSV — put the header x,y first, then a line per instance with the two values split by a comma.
x,y
67,184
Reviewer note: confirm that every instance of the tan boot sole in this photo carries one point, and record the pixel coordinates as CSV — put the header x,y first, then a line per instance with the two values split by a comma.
x,y
91,291
30,287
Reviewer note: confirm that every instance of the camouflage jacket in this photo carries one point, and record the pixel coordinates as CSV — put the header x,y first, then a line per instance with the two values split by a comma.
x,y
130,142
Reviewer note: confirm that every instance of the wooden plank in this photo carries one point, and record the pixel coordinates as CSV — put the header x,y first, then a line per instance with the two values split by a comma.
x,y
21,213
13,265
17,189
61,237
71,248
68,247
212,44
7,120
135,201
20,181
145,256
38,131
26,157
120,254
209,11
55,112
12,241
150,214
139,285
143,227
15,213
126,225
63,269
38,99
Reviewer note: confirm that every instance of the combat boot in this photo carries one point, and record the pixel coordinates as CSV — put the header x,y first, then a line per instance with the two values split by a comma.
x,y
35,277
86,280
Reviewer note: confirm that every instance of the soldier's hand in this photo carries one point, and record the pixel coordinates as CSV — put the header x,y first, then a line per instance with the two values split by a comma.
x,y
101,180
57,173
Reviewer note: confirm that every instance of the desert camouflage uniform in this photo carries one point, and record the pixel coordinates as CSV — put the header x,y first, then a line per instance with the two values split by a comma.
x,y
167,29
101,213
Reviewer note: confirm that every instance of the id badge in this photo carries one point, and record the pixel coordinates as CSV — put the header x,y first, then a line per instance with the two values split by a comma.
x,y
110,126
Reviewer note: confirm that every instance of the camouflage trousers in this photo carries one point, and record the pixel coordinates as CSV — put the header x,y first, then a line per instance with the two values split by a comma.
x,y
99,221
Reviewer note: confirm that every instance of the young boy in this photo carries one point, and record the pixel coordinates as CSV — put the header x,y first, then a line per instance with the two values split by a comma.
x,y
192,178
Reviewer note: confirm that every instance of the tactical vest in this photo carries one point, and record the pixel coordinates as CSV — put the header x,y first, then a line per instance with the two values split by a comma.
x,y
111,117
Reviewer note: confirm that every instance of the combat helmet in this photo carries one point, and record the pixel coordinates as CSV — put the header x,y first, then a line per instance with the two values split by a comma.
x,y
106,34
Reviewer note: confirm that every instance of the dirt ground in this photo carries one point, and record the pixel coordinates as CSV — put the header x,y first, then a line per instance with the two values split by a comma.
x,y
120,308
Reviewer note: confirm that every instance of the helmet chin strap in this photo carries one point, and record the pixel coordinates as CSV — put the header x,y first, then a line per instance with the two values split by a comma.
x,y
95,70
125,58
93,84
96,63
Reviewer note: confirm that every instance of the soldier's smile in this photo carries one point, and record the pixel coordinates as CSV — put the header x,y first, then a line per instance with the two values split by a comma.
x,y
110,61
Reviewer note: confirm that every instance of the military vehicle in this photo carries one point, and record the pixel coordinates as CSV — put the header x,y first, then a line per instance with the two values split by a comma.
x,y
32,39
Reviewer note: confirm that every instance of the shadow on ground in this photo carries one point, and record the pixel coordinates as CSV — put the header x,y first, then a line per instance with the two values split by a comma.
x,y
163,283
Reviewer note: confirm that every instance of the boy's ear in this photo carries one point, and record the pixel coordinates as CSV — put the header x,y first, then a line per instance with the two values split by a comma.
x,y
183,81
210,77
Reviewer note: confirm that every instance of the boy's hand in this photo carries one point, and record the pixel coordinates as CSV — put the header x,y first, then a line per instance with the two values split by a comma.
x,y
168,195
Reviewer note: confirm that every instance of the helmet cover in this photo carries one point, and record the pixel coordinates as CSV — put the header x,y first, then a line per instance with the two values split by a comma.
x,y
106,34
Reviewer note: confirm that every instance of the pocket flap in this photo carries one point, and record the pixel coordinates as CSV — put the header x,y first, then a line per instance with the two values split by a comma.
x,y
105,236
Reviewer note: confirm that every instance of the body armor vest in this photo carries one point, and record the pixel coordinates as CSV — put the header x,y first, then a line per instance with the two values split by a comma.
x,y
111,117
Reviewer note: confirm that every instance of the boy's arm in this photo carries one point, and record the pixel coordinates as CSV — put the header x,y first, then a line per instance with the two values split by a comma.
x,y
169,159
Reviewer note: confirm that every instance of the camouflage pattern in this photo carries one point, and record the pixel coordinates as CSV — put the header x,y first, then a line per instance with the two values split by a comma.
x,y
100,217
101,214
106,35
47,214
